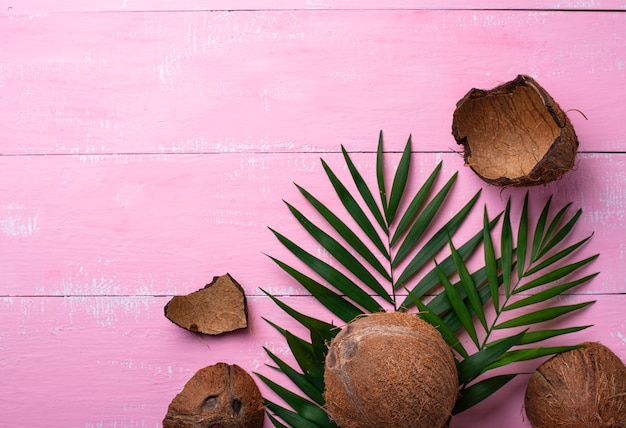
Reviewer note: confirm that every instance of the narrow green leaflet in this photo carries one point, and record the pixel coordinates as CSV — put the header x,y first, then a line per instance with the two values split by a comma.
x,y
490,263
562,233
415,206
275,421
399,182
431,279
340,281
479,391
506,248
471,367
528,354
307,321
434,244
340,253
448,335
364,191
355,210
469,286
539,229
461,311
380,175
522,238
540,335
346,233
555,274
541,315
299,379
548,293
558,256
338,305
422,222
299,418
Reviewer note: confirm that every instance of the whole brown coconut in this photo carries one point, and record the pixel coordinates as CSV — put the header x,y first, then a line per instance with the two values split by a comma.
x,y
583,388
218,396
390,370
515,134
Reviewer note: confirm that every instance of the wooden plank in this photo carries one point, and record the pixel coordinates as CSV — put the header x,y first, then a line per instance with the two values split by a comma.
x,y
117,361
291,81
199,5
166,224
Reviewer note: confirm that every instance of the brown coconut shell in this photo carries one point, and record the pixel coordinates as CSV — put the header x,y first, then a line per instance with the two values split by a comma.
x,y
515,134
219,307
582,388
390,370
218,396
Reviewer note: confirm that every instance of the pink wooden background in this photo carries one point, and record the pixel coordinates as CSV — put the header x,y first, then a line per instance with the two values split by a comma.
x,y
145,146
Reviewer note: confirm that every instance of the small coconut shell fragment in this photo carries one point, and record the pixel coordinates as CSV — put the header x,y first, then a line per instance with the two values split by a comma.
x,y
582,388
390,370
515,134
218,396
218,308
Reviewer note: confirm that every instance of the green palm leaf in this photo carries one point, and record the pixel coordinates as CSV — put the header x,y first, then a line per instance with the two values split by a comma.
x,y
458,305
540,335
300,380
399,182
471,367
523,271
306,413
446,332
346,233
431,279
491,266
555,274
380,175
332,275
338,305
355,210
422,222
311,323
479,391
340,253
522,238
506,248
435,244
527,354
541,315
364,191
415,206
469,286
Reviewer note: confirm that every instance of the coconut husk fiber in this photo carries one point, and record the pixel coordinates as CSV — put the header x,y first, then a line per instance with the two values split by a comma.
x,y
582,388
390,370
515,134
217,396
219,307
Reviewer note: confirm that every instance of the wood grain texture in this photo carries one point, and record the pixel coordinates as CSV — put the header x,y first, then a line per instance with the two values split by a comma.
x,y
166,224
203,5
146,146
102,361
205,82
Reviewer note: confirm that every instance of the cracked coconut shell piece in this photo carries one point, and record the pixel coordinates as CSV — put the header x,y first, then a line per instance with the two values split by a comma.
x,y
515,134
390,370
219,307
582,388
218,396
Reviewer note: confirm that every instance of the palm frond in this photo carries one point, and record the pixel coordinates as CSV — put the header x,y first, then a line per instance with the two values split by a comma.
x,y
522,271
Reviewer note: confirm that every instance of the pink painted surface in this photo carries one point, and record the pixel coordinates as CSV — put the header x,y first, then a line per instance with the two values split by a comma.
x,y
143,153
199,5
205,82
